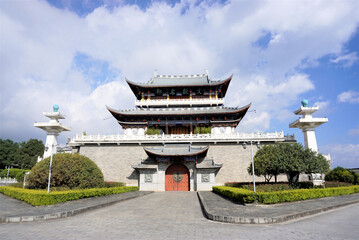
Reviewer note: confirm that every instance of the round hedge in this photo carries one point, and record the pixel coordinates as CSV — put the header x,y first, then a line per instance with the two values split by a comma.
x,y
68,170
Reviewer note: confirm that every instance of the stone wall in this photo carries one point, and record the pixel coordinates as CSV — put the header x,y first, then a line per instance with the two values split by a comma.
x,y
115,161
235,159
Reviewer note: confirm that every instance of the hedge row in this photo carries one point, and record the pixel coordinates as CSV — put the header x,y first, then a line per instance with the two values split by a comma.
x,y
247,196
270,186
14,173
236,194
40,197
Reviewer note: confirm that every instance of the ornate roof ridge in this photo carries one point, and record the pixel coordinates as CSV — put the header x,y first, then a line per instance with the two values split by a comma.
x,y
180,76
177,77
176,150
177,109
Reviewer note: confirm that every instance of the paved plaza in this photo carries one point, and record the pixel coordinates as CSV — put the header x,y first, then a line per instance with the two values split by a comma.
x,y
178,215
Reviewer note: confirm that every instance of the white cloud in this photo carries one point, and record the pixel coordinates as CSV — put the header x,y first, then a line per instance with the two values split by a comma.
x,y
91,110
255,122
323,108
354,131
269,99
39,45
323,105
275,39
347,60
344,155
349,97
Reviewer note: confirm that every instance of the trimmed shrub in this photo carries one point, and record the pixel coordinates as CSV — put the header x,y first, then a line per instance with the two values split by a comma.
x,y
240,184
68,170
304,185
202,130
114,184
153,131
17,185
20,175
270,186
304,194
14,173
41,197
246,196
328,184
236,194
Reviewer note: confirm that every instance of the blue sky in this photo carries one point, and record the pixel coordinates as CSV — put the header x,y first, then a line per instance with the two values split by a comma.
x,y
77,54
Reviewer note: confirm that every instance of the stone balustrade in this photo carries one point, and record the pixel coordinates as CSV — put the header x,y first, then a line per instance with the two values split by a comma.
x,y
234,137
7,181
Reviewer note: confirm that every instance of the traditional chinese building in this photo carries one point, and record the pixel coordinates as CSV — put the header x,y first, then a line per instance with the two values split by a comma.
x,y
179,137
178,105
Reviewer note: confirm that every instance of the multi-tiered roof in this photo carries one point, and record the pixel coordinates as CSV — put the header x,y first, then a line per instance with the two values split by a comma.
x,y
178,104
197,86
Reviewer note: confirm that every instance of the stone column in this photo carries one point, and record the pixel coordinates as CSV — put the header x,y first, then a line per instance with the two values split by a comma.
x,y
51,143
309,139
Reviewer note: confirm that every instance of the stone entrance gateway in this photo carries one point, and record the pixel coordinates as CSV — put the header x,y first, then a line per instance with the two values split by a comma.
x,y
177,178
176,167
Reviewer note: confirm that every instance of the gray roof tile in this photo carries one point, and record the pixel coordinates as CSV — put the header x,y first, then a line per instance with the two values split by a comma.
x,y
176,150
179,80
175,111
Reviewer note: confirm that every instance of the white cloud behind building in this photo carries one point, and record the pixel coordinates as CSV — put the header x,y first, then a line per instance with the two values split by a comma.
x,y
79,61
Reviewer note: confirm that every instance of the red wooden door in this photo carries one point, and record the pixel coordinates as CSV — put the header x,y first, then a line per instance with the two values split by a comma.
x,y
177,178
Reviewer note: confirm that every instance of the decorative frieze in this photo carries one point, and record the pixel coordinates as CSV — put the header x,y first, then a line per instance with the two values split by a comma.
x,y
148,178
205,178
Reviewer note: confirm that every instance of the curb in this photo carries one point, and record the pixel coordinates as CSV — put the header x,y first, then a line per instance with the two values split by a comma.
x,y
64,214
264,220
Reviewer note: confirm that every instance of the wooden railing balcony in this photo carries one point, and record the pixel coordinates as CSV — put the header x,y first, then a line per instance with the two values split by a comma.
x,y
179,102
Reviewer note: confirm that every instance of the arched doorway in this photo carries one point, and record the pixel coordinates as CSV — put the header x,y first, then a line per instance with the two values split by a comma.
x,y
177,178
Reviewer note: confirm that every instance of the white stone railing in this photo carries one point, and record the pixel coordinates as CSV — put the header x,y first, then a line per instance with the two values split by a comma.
x,y
7,181
174,102
257,136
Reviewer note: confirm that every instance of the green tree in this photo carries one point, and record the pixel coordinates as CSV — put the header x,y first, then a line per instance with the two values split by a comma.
x,y
315,162
265,162
289,159
8,152
28,153
342,175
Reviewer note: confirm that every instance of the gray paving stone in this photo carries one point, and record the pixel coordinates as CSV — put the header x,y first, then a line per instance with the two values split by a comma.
x,y
215,208
221,209
13,210
178,215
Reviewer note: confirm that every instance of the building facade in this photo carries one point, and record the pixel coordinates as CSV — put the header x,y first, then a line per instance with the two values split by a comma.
x,y
179,137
